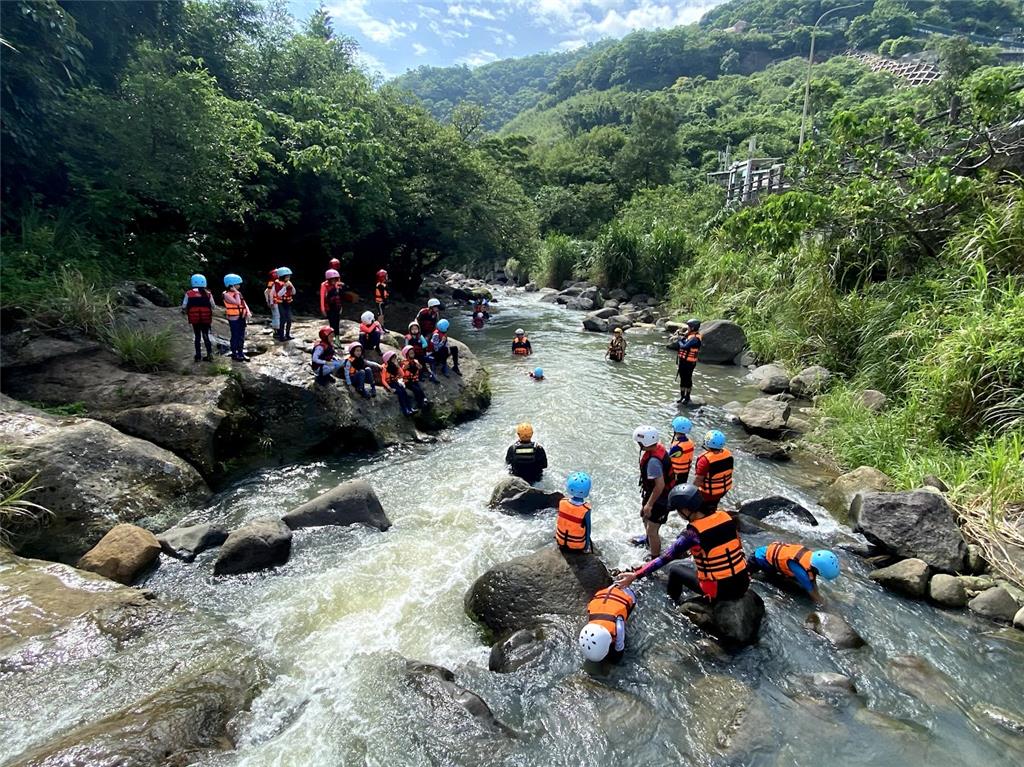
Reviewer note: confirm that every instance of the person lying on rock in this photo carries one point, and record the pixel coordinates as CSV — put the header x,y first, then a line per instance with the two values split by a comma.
x,y
604,636
719,569
616,347
792,563
359,371
525,458
572,525
391,380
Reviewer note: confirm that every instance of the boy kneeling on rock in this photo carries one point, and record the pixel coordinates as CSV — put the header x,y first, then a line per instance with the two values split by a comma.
x,y
604,636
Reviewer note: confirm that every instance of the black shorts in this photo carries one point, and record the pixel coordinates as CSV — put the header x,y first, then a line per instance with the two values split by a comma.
x,y
659,514
686,374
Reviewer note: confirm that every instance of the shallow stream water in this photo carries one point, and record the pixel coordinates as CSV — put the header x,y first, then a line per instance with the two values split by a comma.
x,y
336,622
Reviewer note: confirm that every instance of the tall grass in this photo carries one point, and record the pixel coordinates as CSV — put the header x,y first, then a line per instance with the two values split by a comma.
x,y
18,515
560,259
144,350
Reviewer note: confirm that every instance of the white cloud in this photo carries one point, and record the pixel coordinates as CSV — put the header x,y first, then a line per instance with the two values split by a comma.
x,y
419,49
476,58
594,19
354,13
646,15
570,45
372,64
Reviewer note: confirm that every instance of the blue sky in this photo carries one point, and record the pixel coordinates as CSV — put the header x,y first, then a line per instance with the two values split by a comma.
x,y
396,35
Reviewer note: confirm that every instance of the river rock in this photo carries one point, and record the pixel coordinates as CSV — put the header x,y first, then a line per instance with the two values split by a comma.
x,y
735,622
828,680
519,650
765,448
838,497
620,321
604,313
995,604
873,400
256,545
522,592
771,379
835,629
734,724
514,495
919,678
947,590
439,686
595,324
915,523
530,287
908,577
123,554
765,417
770,505
91,477
571,291
548,298
611,303
186,542
619,293
1018,619
579,304
810,381
351,503
722,340
745,359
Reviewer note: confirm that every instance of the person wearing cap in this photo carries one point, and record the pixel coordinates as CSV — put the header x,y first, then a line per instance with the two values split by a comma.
x,y
525,458
616,347
521,346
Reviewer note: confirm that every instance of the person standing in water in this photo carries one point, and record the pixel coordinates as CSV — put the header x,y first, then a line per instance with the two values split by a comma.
x,y
689,350
680,452
655,483
616,347
712,473
521,346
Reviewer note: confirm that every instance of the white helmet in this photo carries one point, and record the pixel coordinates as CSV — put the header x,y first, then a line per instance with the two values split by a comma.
x,y
366,317
479,315
433,302
595,641
645,436
520,332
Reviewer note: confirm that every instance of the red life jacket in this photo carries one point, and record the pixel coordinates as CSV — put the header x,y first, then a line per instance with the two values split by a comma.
x,y
199,306
327,354
380,292
368,328
332,295
647,485
417,346
427,320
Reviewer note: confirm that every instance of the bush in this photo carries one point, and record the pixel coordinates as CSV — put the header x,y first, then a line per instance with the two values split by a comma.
x,y
17,513
560,259
142,349
79,303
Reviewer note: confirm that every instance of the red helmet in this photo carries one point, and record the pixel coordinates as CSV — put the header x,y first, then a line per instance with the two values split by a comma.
x,y
335,263
273,274
382,274
326,332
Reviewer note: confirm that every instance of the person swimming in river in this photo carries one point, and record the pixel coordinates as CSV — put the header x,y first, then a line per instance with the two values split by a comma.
x,y
616,347
537,374
791,563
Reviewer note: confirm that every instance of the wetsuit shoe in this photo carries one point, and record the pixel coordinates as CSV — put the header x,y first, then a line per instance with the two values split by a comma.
x,y
207,358
638,540
198,358
457,372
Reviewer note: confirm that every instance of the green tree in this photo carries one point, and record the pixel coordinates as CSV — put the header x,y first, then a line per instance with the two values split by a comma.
x,y
651,148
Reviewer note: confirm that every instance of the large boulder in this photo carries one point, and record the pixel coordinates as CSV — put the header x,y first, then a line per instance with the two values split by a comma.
x,y
735,622
908,577
350,503
595,324
256,545
995,604
520,649
722,340
123,554
523,592
91,477
765,417
835,629
438,685
765,448
771,379
604,313
579,304
772,505
947,590
514,495
810,381
838,497
873,400
915,523
186,542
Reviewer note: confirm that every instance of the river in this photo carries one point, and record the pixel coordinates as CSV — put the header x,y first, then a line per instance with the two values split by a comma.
x,y
336,622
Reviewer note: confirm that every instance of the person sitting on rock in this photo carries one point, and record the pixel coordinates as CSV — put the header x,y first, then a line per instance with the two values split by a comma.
x,y
420,346
412,371
370,332
359,371
689,350
443,350
712,473
793,563
604,636
428,317
572,525
478,320
521,346
391,380
616,347
323,362
680,452
537,374
719,570
525,458
198,308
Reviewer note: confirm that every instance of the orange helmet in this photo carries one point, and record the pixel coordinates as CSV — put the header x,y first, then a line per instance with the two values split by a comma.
x,y
326,332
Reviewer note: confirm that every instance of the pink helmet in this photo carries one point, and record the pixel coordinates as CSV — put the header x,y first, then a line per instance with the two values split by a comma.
x,y
331,274
408,351
386,358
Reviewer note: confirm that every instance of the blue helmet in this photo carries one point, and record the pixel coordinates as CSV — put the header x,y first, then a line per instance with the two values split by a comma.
x,y
826,563
714,439
284,271
681,424
578,484
684,498
442,325
538,372
231,280
198,281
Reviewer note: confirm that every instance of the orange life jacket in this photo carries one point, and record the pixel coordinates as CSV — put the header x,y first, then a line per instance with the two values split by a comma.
x,y
647,485
570,532
717,481
720,553
521,346
608,605
289,292
380,292
681,454
691,354
411,370
234,310
326,355
199,307
386,376
779,555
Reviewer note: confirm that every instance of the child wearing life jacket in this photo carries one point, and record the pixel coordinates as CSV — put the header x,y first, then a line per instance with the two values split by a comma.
x,y
411,372
537,374
198,307
284,294
324,364
680,452
521,346
330,298
381,293
478,320
712,473
572,525
275,310
616,347
792,563
238,313
428,317
442,350
359,371
415,339
604,636
370,332
391,380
